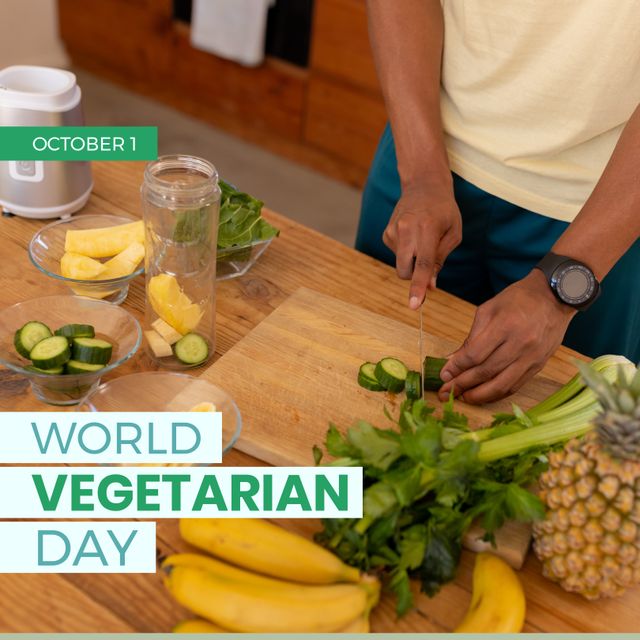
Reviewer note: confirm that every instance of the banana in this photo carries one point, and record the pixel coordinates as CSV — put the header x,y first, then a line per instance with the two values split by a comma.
x,y
197,626
317,593
267,548
250,608
497,603
359,625
372,586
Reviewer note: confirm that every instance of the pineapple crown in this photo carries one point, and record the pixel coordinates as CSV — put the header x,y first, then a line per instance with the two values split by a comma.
x,y
618,391
617,388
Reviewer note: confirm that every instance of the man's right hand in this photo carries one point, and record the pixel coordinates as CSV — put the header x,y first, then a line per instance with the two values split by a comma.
x,y
424,229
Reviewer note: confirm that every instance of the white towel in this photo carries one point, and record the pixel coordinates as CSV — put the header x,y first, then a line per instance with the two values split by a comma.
x,y
231,29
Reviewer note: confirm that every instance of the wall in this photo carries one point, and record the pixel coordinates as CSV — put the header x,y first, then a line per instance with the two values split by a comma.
x,y
29,34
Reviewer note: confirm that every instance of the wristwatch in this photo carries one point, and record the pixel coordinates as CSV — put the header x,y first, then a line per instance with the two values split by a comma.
x,y
572,281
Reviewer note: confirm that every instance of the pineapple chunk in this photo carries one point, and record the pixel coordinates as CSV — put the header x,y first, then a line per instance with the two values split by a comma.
x,y
79,267
166,331
104,242
160,347
172,305
202,407
125,263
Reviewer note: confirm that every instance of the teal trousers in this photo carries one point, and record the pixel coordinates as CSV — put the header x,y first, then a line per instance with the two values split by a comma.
x,y
501,243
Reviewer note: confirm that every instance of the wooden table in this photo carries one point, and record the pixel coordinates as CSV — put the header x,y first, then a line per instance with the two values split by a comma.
x,y
300,257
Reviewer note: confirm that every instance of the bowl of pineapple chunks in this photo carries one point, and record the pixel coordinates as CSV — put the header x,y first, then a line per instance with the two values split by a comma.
x,y
95,255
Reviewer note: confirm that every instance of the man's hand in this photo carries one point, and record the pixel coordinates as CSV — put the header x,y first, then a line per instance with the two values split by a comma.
x,y
424,229
512,337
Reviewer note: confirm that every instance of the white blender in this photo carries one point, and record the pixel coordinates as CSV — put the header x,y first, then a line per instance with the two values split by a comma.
x,y
42,96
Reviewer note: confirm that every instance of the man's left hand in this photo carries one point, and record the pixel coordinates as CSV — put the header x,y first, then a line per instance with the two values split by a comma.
x,y
512,337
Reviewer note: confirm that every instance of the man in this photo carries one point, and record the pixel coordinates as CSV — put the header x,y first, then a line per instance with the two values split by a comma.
x,y
533,105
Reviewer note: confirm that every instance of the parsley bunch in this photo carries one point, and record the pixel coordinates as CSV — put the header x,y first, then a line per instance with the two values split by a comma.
x,y
425,483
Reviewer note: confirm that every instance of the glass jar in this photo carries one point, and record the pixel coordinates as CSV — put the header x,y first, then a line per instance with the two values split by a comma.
x,y
181,207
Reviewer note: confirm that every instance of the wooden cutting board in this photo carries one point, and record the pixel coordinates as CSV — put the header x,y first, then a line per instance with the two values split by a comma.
x,y
297,371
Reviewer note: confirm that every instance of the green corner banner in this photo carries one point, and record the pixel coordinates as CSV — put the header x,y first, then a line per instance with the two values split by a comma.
x,y
78,143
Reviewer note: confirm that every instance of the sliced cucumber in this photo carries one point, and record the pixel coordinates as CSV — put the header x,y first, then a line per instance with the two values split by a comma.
x,y
56,371
413,385
432,368
50,353
29,335
91,350
367,378
75,366
391,374
191,349
76,331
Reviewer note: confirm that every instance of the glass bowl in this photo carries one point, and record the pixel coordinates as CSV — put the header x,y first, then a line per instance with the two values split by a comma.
x,y
234,262
166,391
47,248
110,322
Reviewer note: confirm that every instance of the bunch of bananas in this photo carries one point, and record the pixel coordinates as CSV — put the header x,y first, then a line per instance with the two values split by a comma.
x,y
261,578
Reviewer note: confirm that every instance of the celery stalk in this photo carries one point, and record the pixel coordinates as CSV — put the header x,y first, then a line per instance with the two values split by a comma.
x,y
543,435
558,398
606,364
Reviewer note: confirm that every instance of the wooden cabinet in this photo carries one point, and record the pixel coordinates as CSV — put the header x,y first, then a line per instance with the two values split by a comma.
x,y
328,116
343,121
340,43
345,113
126,37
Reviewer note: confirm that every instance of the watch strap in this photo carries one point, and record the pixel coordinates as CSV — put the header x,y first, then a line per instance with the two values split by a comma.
x,y
550,263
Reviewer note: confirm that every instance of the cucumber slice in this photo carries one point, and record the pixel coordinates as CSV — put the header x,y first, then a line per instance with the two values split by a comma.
x,y
432,368
75,366
56,371
76,331
191,349
29,335
50,353
413,385
367,378
391,374
91,350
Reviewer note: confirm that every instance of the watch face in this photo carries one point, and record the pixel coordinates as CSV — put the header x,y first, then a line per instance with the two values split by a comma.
x,y
575,284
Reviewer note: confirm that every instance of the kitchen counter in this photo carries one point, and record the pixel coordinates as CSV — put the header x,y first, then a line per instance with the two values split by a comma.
x,y
300,257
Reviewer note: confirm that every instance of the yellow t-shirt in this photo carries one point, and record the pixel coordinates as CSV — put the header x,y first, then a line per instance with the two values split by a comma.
x,y
535,94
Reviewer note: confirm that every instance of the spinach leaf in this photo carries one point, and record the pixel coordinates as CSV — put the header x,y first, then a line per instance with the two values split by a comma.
x,y
240,223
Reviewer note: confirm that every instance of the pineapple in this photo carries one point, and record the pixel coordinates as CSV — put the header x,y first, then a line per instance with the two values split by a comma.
x,y
172,304
104,242
73,265
125,263
589,541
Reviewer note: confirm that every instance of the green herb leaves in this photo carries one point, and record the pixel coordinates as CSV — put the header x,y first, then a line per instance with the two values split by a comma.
x,y
241,221
424,486
240,225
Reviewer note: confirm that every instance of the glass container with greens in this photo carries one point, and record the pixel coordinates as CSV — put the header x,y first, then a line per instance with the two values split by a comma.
x,y
181,203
